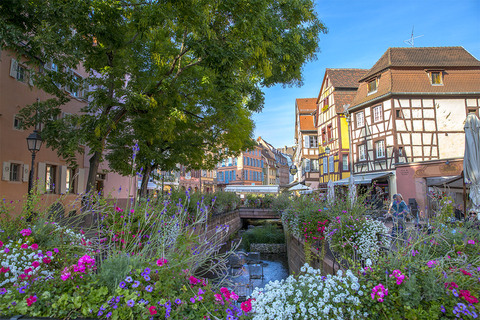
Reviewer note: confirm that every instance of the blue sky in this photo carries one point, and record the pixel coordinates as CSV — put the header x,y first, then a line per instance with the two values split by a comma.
x,y
359,32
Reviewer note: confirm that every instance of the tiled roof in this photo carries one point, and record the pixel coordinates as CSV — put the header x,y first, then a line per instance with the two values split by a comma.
x,y
426,57
342,98
306,123
418,81
306,104
345,78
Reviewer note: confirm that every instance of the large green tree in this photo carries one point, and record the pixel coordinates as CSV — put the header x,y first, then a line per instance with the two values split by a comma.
x,y
185,68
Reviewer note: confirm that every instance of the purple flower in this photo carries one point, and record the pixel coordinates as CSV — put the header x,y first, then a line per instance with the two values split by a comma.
x,y
178,301
108,315
129,279
3,290
146,277
130,303
192,300
146,271
149,288
442,308
122,284
455,293
135,284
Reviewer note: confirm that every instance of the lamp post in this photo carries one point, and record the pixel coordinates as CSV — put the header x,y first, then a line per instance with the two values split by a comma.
x,y
34,142
327,152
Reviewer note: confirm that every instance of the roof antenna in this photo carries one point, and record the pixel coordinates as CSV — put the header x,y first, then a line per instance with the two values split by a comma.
x,y
411,40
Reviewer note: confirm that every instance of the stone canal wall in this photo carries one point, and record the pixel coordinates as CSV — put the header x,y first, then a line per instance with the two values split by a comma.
x,y
222,226
296,257
268,247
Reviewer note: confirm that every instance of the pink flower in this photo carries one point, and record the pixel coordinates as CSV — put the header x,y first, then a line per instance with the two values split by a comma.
x,y
55,250
225,292
152,310
35,264
7,250
1,244
34,246
49,253
193,280
379,290
65,274
246,306
31,300
431,263
24,246
118,209
218,297
471,241
161,262
26,232
467,296
234,296
47,260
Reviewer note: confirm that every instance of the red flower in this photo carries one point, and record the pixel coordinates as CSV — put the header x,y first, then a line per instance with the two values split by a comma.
x,y
4,270
161,261
24,246
47,260
193,280
152,310
467,296
35,264
451,285
34,246
1,244
246,305
31,300
466,273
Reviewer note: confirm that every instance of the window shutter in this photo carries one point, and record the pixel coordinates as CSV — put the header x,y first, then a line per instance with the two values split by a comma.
x,y
63,179
41,176
306,164
306,142
13,68
6,171
67,85
31,74
26,173
81,181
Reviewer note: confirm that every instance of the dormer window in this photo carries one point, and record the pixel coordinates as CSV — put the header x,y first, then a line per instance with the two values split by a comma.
x,y
372,86
436,78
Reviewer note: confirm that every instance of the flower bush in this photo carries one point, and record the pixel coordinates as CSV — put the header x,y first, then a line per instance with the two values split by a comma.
x,y
310,296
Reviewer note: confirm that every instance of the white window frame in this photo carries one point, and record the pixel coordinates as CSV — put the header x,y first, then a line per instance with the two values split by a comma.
x,y
368,86
380,149
16,118
325,165
18,171
345,162
360,119
377,113
331,161
313,141
362,152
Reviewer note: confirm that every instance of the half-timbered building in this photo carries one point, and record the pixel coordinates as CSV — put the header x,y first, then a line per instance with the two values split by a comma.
x,y
411,106
306,141
337,92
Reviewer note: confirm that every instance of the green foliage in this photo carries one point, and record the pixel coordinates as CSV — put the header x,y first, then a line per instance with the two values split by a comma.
x,y
259,201
116,267
268,233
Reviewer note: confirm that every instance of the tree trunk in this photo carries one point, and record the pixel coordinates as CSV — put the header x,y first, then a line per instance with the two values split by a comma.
x,y
92,172
145,178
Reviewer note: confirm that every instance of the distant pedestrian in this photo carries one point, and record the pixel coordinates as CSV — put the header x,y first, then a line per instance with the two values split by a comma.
x,y
398,211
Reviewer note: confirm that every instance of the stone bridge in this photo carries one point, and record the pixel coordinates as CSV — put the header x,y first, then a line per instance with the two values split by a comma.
x,y
254,213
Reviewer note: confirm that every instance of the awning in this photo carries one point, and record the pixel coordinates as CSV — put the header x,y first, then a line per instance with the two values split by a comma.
x,y
314,185
150,185
365,178
455,182
299,187
253,188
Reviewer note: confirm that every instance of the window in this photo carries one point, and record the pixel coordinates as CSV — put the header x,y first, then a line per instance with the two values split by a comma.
x,y
362,152
377,113
313,141
15,172
329,132
399,114
401,152
331,164
345,162
324,135
17,123
380,149
472,110
325,104
18,71
325,164
69,181
314,165
372,86
436,78
360,119
50,178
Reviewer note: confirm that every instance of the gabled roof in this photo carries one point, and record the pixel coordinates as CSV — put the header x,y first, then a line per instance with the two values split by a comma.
x,y
425,57
306,123
343,98
306,104
345,78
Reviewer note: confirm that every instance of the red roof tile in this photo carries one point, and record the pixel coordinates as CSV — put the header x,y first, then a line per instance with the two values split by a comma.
x,y
306,104
306,123
345,78
426,57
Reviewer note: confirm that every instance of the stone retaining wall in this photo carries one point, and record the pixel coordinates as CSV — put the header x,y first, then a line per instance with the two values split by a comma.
x,y
268,247
296,257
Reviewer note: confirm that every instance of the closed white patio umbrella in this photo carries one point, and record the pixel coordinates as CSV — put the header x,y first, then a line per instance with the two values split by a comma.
x,y
471,160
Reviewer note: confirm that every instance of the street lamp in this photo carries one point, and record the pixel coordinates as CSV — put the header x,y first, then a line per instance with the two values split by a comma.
x,y
34,142
327,152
